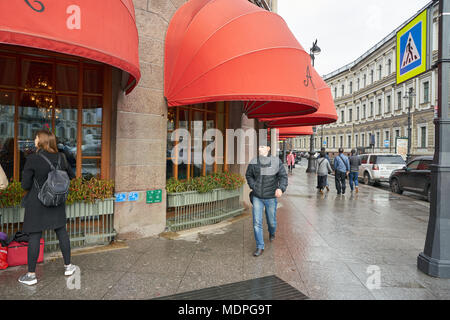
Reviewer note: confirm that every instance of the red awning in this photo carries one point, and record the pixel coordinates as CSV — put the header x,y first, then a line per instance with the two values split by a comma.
x,y
294,131
100,30
232,50
324,115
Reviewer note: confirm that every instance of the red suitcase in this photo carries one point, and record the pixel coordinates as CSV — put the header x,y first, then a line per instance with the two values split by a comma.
x,y
18,253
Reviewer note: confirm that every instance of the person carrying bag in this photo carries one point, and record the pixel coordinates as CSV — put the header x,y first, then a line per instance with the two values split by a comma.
x,y
41,215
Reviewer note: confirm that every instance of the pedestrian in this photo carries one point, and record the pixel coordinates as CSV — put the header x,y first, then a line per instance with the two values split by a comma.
x,y
355,162
323,169
268,180
3,179
326,156
290,161
342,168
37,216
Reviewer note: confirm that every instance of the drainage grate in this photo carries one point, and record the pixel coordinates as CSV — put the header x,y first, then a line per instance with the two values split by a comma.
x,y
266,288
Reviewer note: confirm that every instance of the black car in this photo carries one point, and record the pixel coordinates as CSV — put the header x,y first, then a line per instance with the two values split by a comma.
x,y
414,177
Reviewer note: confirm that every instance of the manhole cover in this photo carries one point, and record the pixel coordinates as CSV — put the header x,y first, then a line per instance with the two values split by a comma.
x,y
266,288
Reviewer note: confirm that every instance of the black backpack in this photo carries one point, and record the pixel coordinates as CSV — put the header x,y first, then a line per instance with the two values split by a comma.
x,y
55,189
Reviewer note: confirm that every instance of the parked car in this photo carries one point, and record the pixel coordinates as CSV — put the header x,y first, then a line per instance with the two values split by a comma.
x,y
377,168
414,177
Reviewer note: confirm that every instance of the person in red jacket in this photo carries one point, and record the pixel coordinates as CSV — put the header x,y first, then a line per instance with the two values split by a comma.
x,y
290,161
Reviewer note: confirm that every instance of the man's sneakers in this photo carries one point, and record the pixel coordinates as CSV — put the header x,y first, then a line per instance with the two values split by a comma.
x,y
328,188
28,279
258,252
70,269
356,188
272,237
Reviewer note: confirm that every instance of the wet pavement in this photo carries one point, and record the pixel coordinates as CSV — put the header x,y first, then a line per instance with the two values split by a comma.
x,y
324,246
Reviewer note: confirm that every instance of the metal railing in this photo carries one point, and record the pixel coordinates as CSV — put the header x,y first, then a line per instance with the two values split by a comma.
x,y
87,224
204,213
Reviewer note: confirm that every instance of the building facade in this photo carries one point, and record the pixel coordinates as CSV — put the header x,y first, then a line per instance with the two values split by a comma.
x,y
372,109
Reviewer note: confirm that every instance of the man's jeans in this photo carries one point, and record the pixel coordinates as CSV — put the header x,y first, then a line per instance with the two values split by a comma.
x,y
353,178
271,216
340,181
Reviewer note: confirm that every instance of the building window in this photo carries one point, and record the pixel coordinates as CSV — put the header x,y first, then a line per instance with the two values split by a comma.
x,y
426,92
378,140
371,76
363,140
389,66
380,72
364,111
357,113
349,141
335,92
327,141
350,115
334,142
399,100
196,120
371,108
358,83
356,140
342,90
342,116
365,80
51,94
341,141
388,102
397,133
379,107
423,137
351,87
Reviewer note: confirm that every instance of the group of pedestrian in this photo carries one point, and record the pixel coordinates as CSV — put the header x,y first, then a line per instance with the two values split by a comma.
x,y
343,167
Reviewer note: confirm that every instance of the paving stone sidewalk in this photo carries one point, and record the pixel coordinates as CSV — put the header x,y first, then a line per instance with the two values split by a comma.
x,y
323,247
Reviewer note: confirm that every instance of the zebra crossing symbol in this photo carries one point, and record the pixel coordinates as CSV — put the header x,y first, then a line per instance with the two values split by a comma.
x,y
411,54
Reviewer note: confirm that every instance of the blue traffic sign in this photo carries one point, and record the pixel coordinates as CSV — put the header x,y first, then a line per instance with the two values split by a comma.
x,y
133,196
121,197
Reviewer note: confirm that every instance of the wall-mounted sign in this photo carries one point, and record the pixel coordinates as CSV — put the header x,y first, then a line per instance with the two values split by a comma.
x,y
121,197
386,143
133,196
412,48
154,196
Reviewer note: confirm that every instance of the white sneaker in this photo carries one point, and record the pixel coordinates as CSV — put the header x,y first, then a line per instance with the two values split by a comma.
x,y
70,269
28,279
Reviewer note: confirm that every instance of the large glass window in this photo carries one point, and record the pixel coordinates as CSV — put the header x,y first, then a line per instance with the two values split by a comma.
x,y
196,119
49,97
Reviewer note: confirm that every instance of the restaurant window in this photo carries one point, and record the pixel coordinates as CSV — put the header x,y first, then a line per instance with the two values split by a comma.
x,y
196,120
46,96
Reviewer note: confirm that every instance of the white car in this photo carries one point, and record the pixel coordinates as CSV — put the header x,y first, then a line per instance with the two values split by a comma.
x,y
377,168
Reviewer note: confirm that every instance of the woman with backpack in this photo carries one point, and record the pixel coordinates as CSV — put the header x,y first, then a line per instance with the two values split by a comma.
x,y
40,217
323,169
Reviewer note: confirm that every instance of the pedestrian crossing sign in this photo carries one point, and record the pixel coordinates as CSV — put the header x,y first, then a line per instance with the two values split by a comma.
x,y
412,48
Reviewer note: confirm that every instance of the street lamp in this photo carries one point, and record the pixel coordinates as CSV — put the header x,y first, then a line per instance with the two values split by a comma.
x,y
315,50
408,96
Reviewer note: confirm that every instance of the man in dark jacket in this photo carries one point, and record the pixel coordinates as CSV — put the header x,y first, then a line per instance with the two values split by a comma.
x,y
267,178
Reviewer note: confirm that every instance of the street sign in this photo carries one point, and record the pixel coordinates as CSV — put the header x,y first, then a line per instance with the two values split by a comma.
x,y
412,48
386,143
133,196
324,142
154,196
121,197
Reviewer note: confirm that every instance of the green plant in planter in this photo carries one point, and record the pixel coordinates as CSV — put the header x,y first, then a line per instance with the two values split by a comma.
x,y
80,190
225,180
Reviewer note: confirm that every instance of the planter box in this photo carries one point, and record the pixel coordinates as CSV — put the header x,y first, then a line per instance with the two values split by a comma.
x,y
180,199
75,210
223,194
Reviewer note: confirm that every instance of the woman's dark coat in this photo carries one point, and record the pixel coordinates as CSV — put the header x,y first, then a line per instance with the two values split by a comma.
x,y
37,216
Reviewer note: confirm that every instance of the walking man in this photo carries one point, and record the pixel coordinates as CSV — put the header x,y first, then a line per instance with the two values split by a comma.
x,y
268,180
342,169
355,162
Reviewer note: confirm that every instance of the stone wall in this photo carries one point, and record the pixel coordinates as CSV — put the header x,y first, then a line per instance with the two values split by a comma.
x,y
140,124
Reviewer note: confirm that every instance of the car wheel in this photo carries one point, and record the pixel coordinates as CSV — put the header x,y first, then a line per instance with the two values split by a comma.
x,y
367,179
395,186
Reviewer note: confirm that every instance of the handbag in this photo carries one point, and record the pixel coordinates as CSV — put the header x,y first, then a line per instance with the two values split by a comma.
x,y
19,237
18,253
3,255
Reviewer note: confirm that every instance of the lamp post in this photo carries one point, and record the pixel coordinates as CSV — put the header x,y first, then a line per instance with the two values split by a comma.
x,y
435,258
315,50
409,95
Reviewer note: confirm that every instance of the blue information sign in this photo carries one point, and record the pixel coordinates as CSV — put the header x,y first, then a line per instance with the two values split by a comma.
x,y
121,197
133,196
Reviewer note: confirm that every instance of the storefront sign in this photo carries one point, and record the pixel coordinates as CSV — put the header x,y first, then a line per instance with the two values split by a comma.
x,y
412,48
154,196
401,146
133,196
121,197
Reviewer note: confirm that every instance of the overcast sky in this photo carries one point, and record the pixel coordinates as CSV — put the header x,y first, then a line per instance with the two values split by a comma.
x,y
345,29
